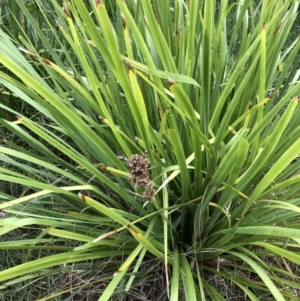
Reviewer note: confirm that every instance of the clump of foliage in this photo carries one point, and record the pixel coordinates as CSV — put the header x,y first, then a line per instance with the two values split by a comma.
x,y
164,146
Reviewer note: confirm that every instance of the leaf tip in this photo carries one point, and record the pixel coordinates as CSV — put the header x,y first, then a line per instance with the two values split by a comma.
x,y
98,2
66,10
123,21
170,82
82,196
105,235
128,65
117,273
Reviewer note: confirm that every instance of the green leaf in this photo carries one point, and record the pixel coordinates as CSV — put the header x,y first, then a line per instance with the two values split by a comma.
x,y
262,274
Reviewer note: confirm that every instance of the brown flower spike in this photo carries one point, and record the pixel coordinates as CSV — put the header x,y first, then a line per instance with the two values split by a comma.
x,y
139,173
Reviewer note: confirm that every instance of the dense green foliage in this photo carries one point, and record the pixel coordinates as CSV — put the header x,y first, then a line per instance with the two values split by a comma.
x,y
157,141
